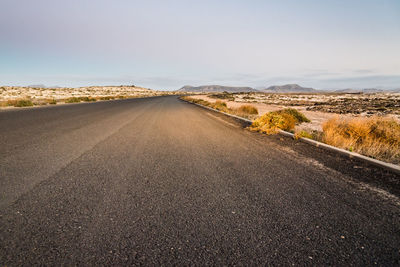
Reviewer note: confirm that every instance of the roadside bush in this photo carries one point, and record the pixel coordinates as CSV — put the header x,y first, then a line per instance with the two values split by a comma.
x,y
73,100
374,136
53,102
303,134
87,99
224,95
20,103
220,105
247,109
107,98
300,117
272,122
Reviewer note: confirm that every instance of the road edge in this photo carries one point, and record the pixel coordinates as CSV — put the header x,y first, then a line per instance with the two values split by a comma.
x,y
379,163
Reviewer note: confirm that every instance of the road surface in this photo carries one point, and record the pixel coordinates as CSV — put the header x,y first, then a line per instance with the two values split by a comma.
x,y
159,181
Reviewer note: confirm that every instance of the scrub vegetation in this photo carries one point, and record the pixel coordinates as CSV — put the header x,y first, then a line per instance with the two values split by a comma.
x,y
375,137
272,122
20,103
18,96
246,111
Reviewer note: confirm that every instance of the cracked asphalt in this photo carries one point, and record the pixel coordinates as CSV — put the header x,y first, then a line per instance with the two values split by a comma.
x,y
158,181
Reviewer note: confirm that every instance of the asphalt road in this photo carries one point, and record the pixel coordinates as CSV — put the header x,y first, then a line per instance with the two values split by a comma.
x,y
162,182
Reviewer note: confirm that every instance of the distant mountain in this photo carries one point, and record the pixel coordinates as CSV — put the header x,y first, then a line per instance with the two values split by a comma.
x,y
288,88
216,88
364,91
37,86
348,90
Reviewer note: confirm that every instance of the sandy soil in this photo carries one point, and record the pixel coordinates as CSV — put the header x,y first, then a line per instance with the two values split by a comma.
x,y
316,117
41,96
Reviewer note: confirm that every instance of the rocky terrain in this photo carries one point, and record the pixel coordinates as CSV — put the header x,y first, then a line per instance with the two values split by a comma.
x,y
346,103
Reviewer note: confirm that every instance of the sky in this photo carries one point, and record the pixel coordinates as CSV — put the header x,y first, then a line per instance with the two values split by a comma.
x,y
330,44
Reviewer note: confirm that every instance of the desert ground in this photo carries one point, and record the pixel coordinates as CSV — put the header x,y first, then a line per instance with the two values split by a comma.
x,y
317,107
43,96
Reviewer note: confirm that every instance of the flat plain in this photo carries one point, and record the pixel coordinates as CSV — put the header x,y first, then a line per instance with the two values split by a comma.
x,y
158,181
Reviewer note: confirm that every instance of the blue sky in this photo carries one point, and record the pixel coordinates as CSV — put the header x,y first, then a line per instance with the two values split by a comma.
x,y
168,44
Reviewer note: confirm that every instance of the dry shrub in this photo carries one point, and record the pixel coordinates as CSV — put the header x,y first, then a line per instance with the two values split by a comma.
x,y
375,136
247,109
20,103
310,134
303,134
107,98
272,122
220,105
223,95
88,99
197,101
73,100
300,117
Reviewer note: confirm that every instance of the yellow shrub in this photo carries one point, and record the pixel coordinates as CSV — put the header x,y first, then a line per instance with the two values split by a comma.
x,y
271,122
284,119
375,136
20,103
247,109
220,105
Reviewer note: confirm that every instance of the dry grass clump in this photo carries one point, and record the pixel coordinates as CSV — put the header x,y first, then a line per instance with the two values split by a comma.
x,y
80,99
272,122
223,95
72,100
20,103
196,100
88,99
107,98
300,117
248,109
244,110
374,136
219,105
303,134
